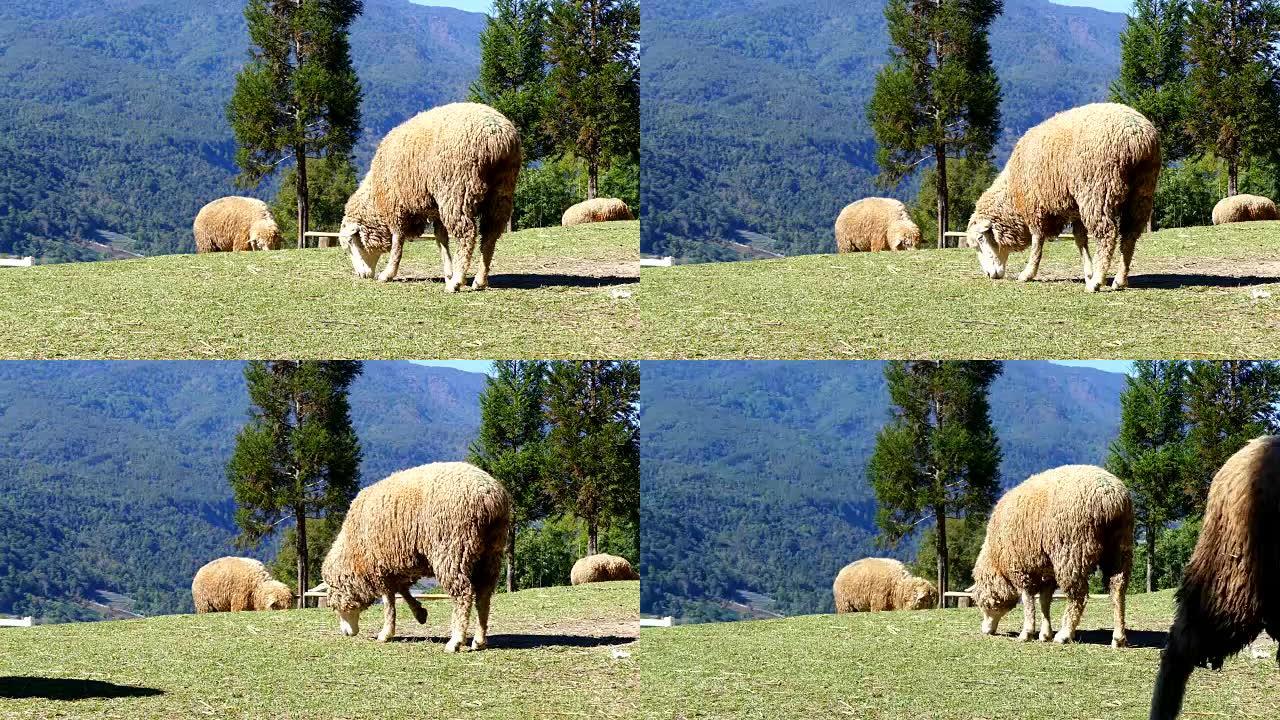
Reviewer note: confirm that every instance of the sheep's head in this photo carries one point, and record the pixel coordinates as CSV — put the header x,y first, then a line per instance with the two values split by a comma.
x,y
993,593
904,235
274,595
363,243
919,594
992,255
264,235
348,609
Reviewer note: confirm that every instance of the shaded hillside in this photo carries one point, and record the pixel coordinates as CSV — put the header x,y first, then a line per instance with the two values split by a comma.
x,y
752,473
113,474
112,112
753,113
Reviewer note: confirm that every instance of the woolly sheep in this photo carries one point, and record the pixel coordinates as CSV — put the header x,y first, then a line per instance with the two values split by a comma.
x,y
874,224
447,520
1244,208
236,223
1094,167
602,567
454,166
875,584
596,210
232,584
1230,589
1052,531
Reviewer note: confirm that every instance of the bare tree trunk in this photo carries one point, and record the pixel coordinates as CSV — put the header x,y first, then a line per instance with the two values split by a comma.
x,y
1151,558
300,517
1233,176
940,156
593,536
511,561
940,512
304,200
593,177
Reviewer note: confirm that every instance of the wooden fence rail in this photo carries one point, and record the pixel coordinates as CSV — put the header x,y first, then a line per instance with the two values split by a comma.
x,y
17,622
17,262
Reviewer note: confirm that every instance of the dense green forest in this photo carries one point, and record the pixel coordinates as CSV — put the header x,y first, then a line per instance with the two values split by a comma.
x,y
113,474
752,472
753,114
113,130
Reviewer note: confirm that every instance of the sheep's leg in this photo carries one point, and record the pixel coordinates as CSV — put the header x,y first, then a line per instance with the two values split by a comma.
x,y
1106,233
1127,244
487,245
1046,624
358,264
484,579
495,216
461,617
442,242
419,612
388,616
1033,261
1028,615
1118,584
1071,618
1082,244
481,639
393,262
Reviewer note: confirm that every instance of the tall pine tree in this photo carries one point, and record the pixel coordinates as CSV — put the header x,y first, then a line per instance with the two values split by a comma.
x,y
1150,453
298,456
1228,404
1233,48
593,47
593,445
938,96
511,443
938,457
513,70
298,97
1153,71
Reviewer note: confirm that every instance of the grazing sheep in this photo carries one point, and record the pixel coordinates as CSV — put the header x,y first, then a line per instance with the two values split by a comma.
x,y
1244,208
1230,588
875,584
1094,167
602,567
370,238
874,224
444,520
597,210
454,166
1052,531
232,584
234,224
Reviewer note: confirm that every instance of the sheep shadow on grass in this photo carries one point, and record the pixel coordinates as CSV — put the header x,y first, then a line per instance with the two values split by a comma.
x,y
1176,281
534,281
1138,639
16,688
519,641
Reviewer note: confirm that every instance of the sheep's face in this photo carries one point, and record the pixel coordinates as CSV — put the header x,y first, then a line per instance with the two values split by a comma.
x,y
904,236
277,596
921,595
264,235
994,594
993,256
348,611
364,260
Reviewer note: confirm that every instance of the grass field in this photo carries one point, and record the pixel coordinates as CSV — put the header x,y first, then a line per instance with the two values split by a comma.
x,y
1194,292
554,652
935,664
554,293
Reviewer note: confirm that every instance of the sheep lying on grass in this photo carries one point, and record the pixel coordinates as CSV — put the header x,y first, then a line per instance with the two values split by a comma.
x,y
1230,588
596,210
875,584
1052,531
602,567
236,223
1244,208
447,520
1095,167
232,584
454,166
874,224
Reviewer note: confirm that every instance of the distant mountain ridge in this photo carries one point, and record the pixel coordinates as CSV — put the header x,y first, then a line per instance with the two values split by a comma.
x,y
112,112
113,474
752,473
753,113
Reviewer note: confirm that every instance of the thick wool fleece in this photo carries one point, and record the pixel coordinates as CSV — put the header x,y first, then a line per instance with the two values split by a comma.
x,y
454,166
602,567
1244,208
232,584
1094,166
875,584
1230,589
1051,532
596,210
874,224
443,520
235,224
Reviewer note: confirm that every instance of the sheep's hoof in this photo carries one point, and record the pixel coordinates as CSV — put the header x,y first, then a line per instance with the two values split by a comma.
x,y
420,616
1118,285
364,274
1046,636
385,636
477,644
1119,642
451,287
1024,637
478,285
385,278
1061,639
1025,277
